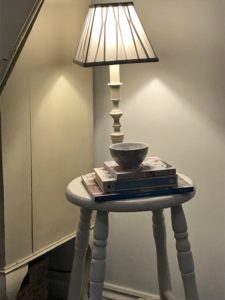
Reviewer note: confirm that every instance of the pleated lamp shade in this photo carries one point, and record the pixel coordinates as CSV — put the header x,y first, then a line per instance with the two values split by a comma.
x,y
113,34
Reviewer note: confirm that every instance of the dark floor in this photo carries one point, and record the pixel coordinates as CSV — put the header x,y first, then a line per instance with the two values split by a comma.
x,y
48,277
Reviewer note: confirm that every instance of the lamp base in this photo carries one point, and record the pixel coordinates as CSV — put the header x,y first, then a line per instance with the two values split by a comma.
x,y
117,136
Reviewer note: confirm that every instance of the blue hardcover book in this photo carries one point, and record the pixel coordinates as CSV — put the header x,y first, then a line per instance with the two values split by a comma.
x,y
98,195
108,183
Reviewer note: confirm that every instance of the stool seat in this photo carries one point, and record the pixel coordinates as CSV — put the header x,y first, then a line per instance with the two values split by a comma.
x,y
77,195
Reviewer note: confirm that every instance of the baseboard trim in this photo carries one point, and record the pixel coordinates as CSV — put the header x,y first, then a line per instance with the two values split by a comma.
x,y
21,262
128,292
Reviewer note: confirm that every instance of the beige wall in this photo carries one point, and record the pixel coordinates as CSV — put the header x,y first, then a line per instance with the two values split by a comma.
x,y
177,106
46,111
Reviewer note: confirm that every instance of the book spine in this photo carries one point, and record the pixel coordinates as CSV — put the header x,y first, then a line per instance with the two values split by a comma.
x,y
116,186
144,183
104,186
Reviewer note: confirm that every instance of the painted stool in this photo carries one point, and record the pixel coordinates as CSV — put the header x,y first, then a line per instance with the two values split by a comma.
x,y
77,194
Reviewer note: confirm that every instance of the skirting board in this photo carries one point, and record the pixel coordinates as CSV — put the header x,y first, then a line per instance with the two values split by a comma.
x,y
117,292
19,263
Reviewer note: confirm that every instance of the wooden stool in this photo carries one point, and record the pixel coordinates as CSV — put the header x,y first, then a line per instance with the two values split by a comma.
x,y
77,194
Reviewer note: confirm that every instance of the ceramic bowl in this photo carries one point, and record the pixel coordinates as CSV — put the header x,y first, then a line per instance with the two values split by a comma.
x,y
129,155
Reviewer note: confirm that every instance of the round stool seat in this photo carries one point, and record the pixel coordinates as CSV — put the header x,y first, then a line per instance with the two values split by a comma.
x,y
77,194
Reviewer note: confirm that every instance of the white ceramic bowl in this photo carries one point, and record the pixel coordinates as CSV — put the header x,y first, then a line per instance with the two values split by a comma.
x,y
129,155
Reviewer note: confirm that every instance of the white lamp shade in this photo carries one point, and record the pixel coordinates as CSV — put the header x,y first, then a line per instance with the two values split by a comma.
x,y
113,34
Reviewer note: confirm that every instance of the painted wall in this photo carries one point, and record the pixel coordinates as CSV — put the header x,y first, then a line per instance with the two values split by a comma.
x,y
46,123
177,106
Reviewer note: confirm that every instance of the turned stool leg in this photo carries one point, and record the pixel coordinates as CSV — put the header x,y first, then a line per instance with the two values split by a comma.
x,y
184,255
98,263
81,245
164,280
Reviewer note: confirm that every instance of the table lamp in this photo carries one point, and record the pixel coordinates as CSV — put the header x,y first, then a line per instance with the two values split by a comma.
x,y
113,35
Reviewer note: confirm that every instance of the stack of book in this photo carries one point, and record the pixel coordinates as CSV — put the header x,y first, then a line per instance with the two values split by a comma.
x,y
153,177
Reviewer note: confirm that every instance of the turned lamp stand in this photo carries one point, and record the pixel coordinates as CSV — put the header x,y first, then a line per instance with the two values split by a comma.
x,y
117,136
